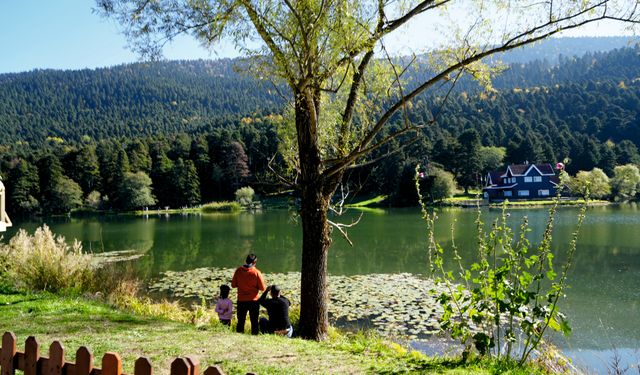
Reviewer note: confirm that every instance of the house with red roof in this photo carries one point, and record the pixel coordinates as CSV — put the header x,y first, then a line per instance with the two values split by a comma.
x,y
520,182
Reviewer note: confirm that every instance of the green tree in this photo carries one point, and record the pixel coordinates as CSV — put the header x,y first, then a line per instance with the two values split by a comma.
x,y
625,181
244,195
66,196
492,158
138,154
49,173
136,191
443,185
86,169
93,200
627,153
594,184
468,160
186,184
23,190
342,98
122,168
161,174
607,158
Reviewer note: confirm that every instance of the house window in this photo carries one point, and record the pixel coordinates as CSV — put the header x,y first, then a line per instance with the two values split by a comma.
x,y
505,180
486,195
543,192
507,193
528,179
523,193
537,178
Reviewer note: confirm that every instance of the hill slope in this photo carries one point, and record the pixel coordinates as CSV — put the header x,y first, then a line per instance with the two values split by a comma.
x,y
193,96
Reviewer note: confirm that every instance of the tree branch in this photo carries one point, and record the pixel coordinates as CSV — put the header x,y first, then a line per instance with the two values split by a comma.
x,y
358,151
273,47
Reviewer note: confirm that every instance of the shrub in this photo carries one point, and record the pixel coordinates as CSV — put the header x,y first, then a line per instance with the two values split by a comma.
x,y
625,181
244,195
44,261
221,207
93,200
513,288
443,186
594,183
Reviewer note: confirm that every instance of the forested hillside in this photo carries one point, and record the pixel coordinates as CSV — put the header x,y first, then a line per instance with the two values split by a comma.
x,y
196,96
188,132
129,100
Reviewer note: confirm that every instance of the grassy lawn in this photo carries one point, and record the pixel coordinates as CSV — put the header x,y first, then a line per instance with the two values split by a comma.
x,y
368,202
549,202
76,321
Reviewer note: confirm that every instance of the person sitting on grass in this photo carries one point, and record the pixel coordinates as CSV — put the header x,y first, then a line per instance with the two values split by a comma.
x,y
224,306
278,309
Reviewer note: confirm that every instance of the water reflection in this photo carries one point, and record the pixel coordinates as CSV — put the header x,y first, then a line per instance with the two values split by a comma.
x,y
603,301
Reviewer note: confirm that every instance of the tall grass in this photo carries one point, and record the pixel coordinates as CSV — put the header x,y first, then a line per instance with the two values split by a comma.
x,y
221,207
44,261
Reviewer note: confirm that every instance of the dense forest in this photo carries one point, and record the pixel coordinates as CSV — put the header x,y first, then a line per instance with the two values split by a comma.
x,y
185,132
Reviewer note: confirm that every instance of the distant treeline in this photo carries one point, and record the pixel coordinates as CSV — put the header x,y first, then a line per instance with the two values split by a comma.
x,y
124,174
198,130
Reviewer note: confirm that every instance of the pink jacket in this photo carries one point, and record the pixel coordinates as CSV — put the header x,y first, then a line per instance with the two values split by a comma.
x,y
224,308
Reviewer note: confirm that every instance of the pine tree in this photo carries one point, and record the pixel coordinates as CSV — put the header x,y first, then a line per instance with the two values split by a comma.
x,y
23,190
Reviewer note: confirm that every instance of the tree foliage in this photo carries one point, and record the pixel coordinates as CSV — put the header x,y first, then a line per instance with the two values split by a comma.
x,y
594,184
625,181
136,191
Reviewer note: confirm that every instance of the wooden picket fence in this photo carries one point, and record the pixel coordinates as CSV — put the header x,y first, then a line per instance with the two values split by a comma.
x,y
31,363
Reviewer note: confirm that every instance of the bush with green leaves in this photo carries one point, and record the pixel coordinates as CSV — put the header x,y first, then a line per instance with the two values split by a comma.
x,y
594,184
510,295
244,196
44,261
443,186
625,181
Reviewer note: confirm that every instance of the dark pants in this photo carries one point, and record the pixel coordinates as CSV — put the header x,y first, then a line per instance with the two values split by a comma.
x,y
267,327
253,307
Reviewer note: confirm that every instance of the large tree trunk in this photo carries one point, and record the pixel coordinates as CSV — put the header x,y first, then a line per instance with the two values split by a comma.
x,y
316,239
316,232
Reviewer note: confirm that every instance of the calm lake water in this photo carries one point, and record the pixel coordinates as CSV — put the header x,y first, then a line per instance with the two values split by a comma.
x,y
603,302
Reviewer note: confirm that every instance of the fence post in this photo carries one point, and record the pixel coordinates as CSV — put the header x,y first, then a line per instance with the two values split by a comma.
x,y
31,356
194,366
111,364
180,366
213,370
8,353
56,359
84,361
142,367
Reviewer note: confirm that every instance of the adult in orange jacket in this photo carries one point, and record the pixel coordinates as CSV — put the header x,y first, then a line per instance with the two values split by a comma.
x,y
248,279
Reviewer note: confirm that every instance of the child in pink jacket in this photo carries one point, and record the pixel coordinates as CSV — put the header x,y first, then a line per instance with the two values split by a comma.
x,y
224,306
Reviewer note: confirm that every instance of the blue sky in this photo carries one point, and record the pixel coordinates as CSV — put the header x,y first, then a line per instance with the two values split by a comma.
x,y
66,34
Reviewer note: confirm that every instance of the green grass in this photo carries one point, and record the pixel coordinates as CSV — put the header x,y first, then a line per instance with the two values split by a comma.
x,y
548,202
221,207
79,322
368,202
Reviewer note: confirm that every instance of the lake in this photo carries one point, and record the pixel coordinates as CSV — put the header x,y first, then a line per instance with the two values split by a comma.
x,y
603,301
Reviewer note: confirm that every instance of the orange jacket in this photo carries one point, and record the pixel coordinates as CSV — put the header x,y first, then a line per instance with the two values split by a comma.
x,y
249,282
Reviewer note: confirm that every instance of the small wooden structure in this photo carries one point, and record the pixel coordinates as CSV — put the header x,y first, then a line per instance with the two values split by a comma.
x,y
31,363
4,218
